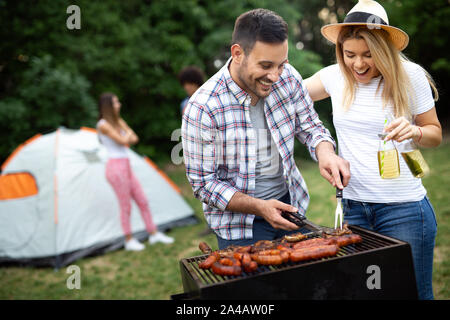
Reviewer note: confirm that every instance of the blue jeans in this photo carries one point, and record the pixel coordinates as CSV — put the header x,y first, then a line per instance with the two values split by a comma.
x,y
262,230
412,222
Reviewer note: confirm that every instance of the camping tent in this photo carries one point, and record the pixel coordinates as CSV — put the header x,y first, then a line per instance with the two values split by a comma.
x,y
56,205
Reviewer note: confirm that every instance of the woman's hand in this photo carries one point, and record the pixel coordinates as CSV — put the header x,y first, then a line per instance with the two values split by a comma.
x,y
401,129
426,133
131,136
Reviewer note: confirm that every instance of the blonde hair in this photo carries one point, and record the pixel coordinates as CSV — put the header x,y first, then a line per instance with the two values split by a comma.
x,y
388,60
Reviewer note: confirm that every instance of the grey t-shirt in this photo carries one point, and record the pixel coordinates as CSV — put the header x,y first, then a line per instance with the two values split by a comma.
x,y
270,183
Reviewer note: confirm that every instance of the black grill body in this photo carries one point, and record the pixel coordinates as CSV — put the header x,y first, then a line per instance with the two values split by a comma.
x,y
378,268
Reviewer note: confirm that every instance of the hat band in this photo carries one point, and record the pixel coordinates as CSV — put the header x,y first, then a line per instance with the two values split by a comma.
x,y
363,17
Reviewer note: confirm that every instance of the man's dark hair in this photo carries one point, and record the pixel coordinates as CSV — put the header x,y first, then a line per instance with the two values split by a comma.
x,y
191,74
259,25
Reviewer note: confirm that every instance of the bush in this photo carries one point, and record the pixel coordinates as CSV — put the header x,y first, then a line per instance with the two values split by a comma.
x,y
48,96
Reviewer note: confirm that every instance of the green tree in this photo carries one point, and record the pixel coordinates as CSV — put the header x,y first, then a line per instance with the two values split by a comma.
x,y
133,48
428,24
48,97
52,76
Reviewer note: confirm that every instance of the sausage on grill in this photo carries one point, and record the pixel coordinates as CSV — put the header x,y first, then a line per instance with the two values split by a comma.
x,y
244,249
315,252
285,254
250,267
347,239
268,259
224,270
268,252
295,237
233,260
203,246
314,242
208,262
230,262
246,259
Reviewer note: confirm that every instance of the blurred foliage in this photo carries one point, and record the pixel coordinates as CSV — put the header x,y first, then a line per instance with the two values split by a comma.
x,y
428,25
48,97
426,22
52,76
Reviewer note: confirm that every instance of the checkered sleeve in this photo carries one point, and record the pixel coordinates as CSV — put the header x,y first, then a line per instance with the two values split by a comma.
x,y
310,130
199,150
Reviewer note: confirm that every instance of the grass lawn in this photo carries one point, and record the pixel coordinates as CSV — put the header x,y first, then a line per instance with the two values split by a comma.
x,y
154,272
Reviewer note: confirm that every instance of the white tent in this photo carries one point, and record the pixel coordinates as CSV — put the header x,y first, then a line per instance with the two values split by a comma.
x,y
74,212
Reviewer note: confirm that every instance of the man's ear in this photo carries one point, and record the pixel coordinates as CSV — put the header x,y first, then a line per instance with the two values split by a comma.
x,y
237,53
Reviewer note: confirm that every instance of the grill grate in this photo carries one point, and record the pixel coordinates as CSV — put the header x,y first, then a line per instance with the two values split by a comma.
x,y
371,242
343,276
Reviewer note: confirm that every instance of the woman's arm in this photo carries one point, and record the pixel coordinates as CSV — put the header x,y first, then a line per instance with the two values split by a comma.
x,y
427,131
431,130
108,130
133,136
315,88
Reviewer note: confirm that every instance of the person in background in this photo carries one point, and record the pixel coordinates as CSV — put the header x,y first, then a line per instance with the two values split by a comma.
x,y
238,134
372,80
115,134
191,78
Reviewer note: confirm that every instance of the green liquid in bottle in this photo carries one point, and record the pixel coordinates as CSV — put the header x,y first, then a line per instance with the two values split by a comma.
x,y
416,163
388,164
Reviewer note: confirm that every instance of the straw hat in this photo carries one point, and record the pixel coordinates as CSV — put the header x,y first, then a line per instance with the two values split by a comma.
x,y
371,14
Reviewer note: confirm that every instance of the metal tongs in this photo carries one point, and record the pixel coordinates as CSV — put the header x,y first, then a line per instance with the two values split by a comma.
x,y
339,213
301,221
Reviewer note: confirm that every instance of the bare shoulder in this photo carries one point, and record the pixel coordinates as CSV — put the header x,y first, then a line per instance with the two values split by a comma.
x,y
121,121
104,127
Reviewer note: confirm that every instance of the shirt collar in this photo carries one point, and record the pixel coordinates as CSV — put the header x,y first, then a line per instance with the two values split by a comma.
x,y
237,91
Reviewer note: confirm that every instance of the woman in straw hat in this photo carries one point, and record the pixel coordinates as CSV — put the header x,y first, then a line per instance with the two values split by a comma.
x,y
373,81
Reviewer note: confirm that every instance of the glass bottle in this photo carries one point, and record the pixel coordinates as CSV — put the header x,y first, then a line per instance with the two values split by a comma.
x,y
414,158
388,162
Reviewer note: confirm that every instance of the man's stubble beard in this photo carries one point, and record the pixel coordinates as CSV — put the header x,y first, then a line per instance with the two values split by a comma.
x,y
242,78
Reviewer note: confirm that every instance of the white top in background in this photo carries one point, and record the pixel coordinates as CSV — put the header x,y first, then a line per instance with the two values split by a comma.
x,y
115,150
357,130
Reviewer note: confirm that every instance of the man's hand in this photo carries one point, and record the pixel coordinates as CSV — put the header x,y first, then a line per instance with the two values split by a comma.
x,y
331,166
270,210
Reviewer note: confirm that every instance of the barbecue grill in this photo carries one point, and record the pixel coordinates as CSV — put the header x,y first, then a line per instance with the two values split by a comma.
x,y
379,267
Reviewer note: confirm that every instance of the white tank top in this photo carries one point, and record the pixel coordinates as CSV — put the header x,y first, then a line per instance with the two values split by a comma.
x,y
115,150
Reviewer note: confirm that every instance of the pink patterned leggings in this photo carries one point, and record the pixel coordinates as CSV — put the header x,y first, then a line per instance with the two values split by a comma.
x,y
126,186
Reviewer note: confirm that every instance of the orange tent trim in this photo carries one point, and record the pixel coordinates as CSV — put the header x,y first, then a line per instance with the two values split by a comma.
x,y
88,129
17,185
163,174
16,151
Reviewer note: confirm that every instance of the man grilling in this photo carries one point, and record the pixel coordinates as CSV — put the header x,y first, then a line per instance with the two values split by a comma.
x,y
238,134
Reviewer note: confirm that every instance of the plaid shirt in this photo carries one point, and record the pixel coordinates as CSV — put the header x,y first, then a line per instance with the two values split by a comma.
x,y
219,144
